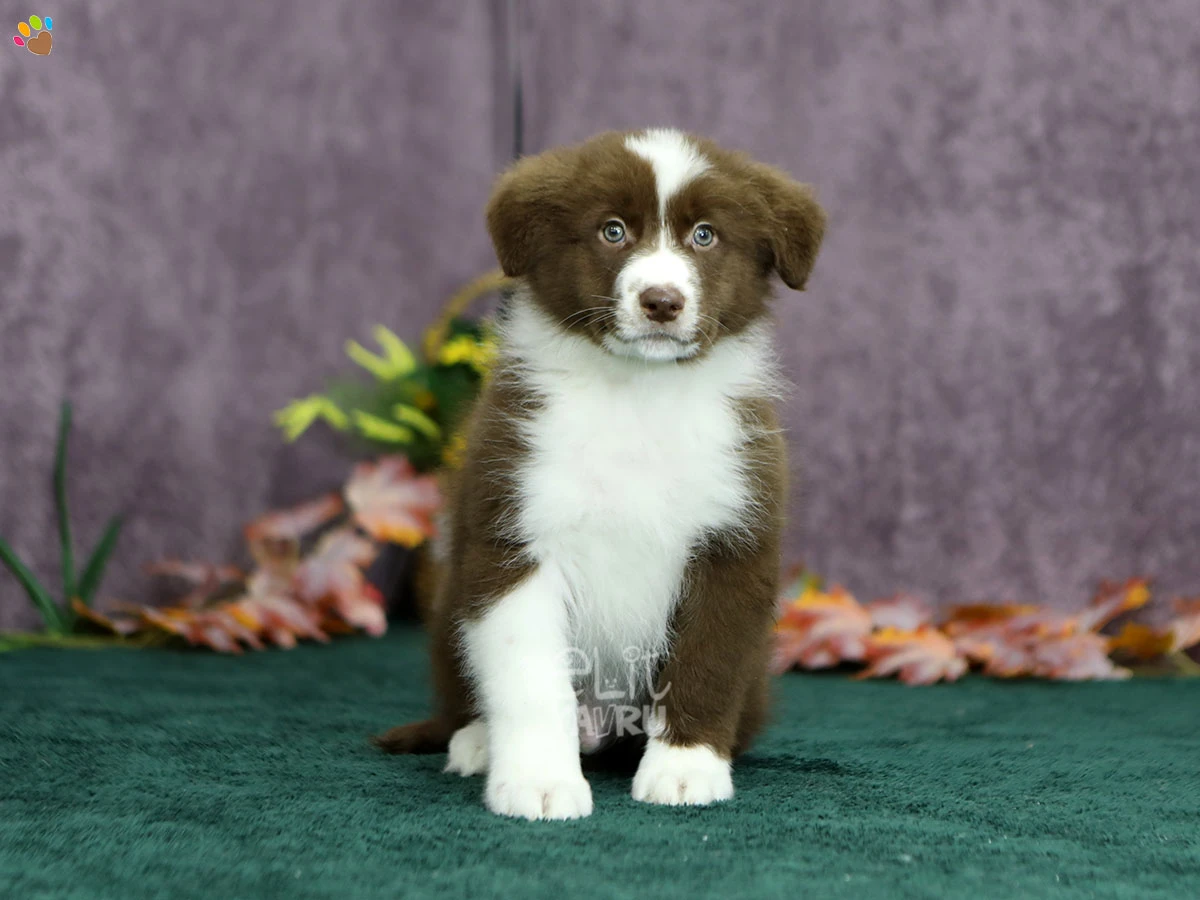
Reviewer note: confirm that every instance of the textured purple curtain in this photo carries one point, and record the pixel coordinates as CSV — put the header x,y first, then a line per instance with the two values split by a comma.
x,y
995,367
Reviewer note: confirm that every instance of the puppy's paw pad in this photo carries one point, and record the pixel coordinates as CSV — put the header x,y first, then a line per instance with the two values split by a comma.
x,y
682,776
540,798
468,754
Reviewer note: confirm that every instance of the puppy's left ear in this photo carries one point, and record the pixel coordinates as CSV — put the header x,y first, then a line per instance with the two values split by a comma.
x,y
797,224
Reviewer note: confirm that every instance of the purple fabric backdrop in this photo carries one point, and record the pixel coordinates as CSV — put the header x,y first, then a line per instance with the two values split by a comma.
x,y
995,365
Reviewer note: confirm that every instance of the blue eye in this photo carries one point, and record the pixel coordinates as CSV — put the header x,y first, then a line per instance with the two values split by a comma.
x,y
703,236
613,231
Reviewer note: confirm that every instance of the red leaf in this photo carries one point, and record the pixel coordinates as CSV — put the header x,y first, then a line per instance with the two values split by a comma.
x,y
283,616
294,523
920,656
1076,657
334,574
392,503
819,630
904,612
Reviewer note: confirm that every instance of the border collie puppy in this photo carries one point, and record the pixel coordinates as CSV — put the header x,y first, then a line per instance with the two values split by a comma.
x,y
612,550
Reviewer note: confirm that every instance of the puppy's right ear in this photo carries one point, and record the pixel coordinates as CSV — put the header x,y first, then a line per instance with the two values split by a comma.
x,y
526,204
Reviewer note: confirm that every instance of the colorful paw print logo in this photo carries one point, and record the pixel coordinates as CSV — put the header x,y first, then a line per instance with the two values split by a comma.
x,y
40,28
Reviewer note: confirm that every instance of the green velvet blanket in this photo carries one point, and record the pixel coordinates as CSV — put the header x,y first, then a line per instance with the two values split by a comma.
x,y
152,773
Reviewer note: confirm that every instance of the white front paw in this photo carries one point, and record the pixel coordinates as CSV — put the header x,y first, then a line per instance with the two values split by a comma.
x,y
693,776
467,753
528,795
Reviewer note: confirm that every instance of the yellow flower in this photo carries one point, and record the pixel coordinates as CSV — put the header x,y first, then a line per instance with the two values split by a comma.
x,y
397,360
455,450
295,418
377,429
478,354
424,400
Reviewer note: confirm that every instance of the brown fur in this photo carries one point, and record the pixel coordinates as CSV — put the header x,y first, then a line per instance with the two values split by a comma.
x,y
544,218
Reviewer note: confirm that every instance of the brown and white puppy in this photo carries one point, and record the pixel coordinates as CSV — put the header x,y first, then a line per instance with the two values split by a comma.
x,y
613,543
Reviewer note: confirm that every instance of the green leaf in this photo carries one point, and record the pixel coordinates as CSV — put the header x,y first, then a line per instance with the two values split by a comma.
x,y
60,499
407,414
378,429
96,564
38,595
295,418
396,362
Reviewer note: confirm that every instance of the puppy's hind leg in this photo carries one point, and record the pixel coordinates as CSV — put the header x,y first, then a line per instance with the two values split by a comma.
x,y
468,753
433,735
428,736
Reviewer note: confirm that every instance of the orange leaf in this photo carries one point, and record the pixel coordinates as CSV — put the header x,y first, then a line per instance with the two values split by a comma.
x,y
1141,641
122,625
1111,600
295,522
392,503
989,612
820,629
920,656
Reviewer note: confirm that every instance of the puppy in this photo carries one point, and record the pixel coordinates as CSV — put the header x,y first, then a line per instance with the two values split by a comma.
x,y
612,549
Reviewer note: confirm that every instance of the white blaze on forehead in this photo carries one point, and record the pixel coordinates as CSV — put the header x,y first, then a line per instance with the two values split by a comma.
x,y
674,158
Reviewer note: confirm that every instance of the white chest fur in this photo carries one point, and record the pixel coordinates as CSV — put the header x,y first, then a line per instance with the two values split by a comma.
x,y
630,464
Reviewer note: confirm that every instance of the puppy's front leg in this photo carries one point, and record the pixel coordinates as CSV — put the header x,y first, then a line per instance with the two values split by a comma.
x,y
518,654
712,689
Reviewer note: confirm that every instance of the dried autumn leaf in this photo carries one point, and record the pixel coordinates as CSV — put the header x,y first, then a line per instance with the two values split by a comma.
x,y
1075,657
333,574
1111,600
391,502
196,574
918,656
1058,655
1000,635
978,613
1146,642
271,602
204,580
821,629
213,627
294,523
1141,641
904,612
123,625
1185,627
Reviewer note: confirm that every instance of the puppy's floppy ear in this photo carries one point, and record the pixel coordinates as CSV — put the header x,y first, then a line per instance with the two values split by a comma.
x,y
797,225
525,205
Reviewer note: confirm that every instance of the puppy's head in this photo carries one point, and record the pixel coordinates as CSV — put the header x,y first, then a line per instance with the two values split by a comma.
x,y
653,244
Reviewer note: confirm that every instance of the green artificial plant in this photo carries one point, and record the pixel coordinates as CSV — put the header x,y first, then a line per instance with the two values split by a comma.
x,y
78,586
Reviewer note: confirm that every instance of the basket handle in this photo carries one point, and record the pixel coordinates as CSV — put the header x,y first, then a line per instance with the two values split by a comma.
x,y
435,335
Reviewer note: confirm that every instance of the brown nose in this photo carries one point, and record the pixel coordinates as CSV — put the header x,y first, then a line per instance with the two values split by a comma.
x,y
662,304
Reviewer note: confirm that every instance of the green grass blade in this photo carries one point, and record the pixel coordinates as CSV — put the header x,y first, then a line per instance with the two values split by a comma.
x,y
60,499
38,595
94,571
